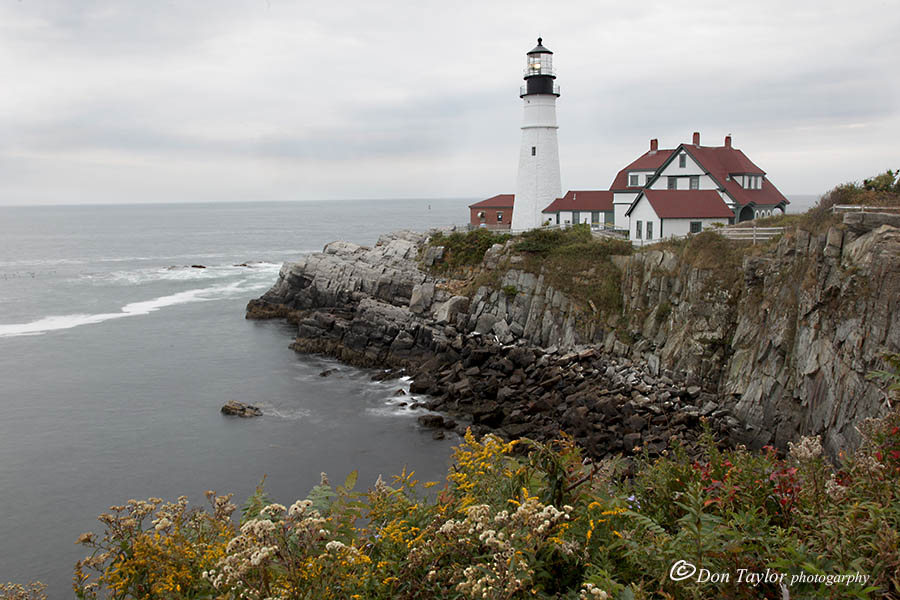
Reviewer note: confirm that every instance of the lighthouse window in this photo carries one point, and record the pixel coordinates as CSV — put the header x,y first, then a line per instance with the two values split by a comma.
x,y
533,150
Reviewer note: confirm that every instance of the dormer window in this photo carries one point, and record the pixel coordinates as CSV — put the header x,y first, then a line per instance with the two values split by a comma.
x,y
752,182
633,180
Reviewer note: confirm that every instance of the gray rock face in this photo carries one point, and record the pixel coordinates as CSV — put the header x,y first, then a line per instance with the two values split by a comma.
x,y
786,349
447,311
343,273
793,347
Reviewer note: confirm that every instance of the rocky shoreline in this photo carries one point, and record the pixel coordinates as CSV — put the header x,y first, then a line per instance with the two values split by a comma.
x,y
772,346
374,307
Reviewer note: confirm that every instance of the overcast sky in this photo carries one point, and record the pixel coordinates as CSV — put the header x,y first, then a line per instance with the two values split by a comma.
x,y
205,100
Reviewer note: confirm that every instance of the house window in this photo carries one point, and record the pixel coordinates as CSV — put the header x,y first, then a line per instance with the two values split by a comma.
x,y
637,230
649,230
648,178
557,218
682,160
499,217
576,217
695,182
633,180
595,216
696,226
534,150
673,183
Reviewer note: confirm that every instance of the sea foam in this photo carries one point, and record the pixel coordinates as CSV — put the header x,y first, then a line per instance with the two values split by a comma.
x,y
145,307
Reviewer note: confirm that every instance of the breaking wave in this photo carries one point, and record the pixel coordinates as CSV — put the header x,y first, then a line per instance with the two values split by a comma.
x,y
133,309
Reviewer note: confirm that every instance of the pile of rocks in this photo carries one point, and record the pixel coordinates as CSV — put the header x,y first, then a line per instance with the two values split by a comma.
x,y
609,404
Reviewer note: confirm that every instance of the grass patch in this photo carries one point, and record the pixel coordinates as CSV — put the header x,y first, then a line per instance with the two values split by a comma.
x,y
872,192
464,249
577,264
548,241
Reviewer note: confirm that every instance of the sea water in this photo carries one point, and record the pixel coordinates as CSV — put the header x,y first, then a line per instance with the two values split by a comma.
x,y
116,355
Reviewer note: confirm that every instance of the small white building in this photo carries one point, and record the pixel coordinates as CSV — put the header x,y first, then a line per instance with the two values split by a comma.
x,y
658,214
593,207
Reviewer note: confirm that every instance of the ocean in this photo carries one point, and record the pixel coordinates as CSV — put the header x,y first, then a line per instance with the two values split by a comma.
x,y
116,355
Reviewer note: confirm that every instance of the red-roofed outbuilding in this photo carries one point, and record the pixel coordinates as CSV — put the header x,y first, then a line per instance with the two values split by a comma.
x,y
492,213
581,206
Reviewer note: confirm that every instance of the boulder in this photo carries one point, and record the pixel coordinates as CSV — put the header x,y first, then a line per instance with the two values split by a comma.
x,y
431,421
239,409
446,312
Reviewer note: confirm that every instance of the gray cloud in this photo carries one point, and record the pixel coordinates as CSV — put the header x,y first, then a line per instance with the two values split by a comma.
x,y
273,99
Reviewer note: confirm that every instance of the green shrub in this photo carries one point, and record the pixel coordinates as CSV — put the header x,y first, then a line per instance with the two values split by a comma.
x,y
545,241
663,311
524,519
465,249
535,522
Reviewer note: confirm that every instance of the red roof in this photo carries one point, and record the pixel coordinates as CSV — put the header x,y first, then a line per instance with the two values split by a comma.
x,y
722,161
582,200
498,201
649,161
686,204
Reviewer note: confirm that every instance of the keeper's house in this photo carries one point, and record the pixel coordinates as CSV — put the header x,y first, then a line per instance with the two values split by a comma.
x,y
493,213
594,207
673,192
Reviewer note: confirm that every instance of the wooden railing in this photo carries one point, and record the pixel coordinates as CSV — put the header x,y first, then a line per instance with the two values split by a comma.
x,y
750,234
842,208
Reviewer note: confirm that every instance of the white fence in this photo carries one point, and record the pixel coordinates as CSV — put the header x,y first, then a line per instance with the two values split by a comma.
x,y
750,234
842,208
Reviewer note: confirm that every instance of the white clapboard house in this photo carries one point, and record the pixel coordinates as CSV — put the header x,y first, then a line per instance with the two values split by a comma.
x,y
673,192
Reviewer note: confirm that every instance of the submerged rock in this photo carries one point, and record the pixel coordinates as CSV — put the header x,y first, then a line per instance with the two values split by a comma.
x,y
239,409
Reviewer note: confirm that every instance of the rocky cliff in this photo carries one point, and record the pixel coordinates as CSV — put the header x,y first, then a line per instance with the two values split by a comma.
x,y
789,344
782,338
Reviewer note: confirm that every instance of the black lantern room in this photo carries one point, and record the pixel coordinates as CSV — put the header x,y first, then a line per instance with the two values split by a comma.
x,y
539,74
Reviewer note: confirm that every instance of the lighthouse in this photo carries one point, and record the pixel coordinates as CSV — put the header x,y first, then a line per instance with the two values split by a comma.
x,y
537,184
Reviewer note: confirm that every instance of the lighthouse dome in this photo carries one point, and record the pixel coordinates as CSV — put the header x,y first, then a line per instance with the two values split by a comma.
x,y
539,49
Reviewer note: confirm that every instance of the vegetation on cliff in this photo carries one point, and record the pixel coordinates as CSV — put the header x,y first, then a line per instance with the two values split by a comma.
x,y
879,190
530,520
571,260
464,249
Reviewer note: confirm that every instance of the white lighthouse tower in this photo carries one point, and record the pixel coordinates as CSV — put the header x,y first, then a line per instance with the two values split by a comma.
x,y
538,182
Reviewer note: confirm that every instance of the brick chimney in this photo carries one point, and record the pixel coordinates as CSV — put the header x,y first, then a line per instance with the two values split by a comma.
x,y
696,138
728,141
654,145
